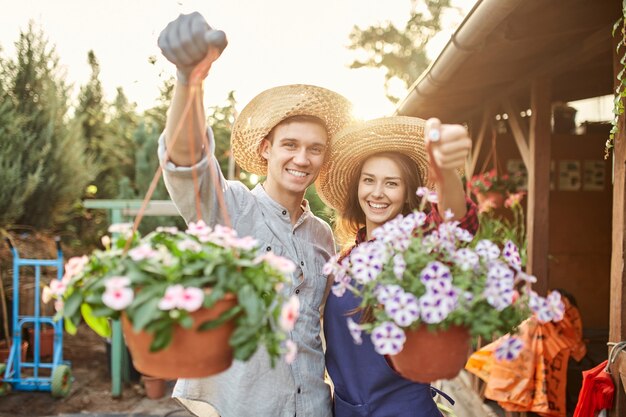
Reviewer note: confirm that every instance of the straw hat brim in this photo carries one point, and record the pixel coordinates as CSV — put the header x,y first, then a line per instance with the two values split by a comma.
x,y
355,143
272,106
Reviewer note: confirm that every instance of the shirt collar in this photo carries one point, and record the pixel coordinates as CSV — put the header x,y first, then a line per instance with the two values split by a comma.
x,y
273,205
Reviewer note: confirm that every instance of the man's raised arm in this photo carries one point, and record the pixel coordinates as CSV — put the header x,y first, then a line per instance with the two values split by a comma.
x,y
192,45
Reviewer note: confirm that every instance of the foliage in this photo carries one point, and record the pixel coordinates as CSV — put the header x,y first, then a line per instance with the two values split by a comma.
x,y
401,51
36,87
414,273
107,147
16,185
491,181
620,90
504,226
165,277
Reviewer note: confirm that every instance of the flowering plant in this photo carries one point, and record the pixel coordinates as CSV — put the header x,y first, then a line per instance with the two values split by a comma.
x,y
491,181
413,273
169,274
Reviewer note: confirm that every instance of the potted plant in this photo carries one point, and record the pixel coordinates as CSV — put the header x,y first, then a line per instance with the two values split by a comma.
x,y
189,301
426,290
491,188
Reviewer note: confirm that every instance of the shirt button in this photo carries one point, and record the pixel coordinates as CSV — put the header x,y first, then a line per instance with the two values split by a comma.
x,y
284,212
299,390
269,248
301,263
297,291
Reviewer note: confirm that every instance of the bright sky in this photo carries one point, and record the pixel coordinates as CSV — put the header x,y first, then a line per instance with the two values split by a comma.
x,y
271,42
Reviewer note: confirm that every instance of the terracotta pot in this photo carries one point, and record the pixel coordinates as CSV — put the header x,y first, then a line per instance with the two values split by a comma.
x,y
429,356
46,341
5,351
496,197
192,353
154,387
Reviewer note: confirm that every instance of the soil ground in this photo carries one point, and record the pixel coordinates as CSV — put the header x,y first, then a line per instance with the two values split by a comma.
x,y
90,394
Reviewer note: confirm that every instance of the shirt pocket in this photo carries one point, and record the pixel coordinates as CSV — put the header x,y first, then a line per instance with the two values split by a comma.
x,y
346,409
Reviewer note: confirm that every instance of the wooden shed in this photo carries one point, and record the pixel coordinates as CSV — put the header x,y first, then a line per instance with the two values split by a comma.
x,y
508,65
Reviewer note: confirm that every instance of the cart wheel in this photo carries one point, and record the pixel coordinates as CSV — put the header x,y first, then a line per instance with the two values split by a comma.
x,y
61,381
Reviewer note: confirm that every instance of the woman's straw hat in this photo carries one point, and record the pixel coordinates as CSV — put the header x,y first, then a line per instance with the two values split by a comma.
x,y
273,106
355,143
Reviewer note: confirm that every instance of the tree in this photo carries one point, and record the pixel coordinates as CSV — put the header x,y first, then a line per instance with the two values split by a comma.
x,y
402,52
104,144
37,90
16,185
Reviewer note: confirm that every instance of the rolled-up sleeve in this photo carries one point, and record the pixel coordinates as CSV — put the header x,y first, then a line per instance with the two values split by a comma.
x,y
187,184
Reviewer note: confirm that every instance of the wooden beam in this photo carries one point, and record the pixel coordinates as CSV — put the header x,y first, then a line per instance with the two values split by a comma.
x,y
539,181
484,124
617,309
520,133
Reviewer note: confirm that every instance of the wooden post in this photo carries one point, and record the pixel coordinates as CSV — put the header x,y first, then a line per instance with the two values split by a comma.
x,y
617,319
539,182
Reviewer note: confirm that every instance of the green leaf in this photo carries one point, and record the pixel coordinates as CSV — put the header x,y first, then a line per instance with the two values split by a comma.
x,y
223,318
100,325
186,322
145,313
69,327
70,308
251,303
162,339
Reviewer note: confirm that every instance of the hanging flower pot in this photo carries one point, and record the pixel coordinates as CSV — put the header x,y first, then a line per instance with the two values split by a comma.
x,y
432,355
192,353
495,198
181,295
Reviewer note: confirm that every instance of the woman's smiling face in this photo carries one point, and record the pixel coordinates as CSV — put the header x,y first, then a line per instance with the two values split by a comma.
x,y
381,191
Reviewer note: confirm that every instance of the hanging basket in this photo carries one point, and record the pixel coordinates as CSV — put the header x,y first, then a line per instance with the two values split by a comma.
x,y
192,353
429,356
496,197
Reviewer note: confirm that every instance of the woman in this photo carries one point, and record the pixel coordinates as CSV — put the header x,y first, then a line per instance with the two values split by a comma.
x,y
372,174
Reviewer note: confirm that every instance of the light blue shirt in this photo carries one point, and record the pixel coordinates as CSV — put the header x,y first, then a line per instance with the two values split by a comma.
x,y
253,388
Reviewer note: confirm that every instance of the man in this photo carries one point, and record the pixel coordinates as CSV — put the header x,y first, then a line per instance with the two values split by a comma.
x,y
282,133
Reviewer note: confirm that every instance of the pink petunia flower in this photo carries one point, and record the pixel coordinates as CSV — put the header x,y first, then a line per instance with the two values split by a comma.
x,y
118,298
171,298
141,252
191,299
279,263
58,287
116,282
289,313
292,351
74,266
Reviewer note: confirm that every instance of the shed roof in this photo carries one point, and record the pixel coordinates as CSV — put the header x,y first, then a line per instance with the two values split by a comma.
x,y
503,44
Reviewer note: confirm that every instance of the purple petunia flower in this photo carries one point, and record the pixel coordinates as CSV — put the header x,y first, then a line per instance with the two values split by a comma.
x,y
435,309
433,271
466,259
403,308
355,331
509,349
487,250
386,292
399,265
367,261
388,339
510,252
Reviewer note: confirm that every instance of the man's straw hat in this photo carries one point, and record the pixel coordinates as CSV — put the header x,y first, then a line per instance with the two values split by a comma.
x,y
273,106
355,143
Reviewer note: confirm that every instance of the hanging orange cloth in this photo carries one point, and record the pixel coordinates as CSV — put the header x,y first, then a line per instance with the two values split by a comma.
x,y
535,381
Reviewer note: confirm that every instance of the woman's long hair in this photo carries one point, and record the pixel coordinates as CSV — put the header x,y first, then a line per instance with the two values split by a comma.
x,y
352,219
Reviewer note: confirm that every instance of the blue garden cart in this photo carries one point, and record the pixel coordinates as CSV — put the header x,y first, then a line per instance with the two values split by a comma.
x,y
29,376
